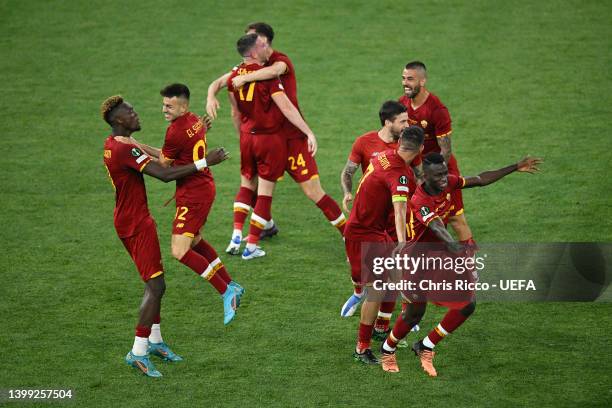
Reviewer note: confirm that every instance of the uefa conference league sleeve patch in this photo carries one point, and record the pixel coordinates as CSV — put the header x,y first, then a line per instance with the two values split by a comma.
x,y
140,156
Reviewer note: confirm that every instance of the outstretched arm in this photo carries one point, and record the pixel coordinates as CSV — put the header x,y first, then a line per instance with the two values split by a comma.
x,y
346,181
273,71
438,228
166,174
527,165
418,173
212,103
445,147
294,116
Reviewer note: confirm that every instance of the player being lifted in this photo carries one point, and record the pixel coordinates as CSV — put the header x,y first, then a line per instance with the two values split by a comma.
x,y
125,163
426,110
393,119
185,142
301,147
384,190
431,206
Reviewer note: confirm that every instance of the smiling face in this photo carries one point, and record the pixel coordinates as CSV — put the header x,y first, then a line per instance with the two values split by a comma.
x,y
436,176
412,80
399,123
174,107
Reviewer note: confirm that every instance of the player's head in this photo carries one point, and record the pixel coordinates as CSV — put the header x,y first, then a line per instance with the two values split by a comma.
x,y
261,29
251,46
175,102
394,117
436,171
411,140
119,113
414,77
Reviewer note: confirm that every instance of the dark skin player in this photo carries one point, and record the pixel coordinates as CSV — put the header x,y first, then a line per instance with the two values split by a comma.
x,y
125,121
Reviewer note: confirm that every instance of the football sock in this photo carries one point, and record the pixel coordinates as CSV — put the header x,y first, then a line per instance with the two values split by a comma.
x,y
141,341
242,206
208,252
332,212
259,218
269,224
400,330
364,337
155,336
384,316
450,322
357,289
202,267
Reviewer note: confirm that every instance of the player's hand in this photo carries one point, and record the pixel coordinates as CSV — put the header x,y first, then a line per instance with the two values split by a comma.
x,y
216,156
529,165
348,197
238,81
212,104
312,144
455,247
207,121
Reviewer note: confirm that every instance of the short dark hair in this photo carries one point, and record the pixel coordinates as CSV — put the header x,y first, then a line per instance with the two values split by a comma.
x,y
416,65
245,44
389,110
178,90
412,138
262,29
433,158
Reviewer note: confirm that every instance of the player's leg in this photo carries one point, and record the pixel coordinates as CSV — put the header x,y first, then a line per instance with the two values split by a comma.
x,y
363,351
243,203
353,253
381,325
201,246
302,167
409,318
259,218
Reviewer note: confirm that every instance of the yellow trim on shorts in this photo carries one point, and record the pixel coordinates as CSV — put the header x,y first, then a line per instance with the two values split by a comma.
x,y
398,198
276,93
458,212
316,176
445,134
156,274
188,234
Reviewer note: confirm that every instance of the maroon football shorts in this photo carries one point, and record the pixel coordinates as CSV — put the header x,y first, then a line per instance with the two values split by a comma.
x,y
143,247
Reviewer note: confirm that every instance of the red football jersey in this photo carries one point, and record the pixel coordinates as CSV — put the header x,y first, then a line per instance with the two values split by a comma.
x,y
186,143
426,208
433,117
386,180
259,113
290,84
124,163
368,146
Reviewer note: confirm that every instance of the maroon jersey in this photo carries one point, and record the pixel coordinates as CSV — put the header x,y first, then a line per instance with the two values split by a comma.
x,y
290,84
386,181
426,208
258,112
368,146
124,163
433,117
185,143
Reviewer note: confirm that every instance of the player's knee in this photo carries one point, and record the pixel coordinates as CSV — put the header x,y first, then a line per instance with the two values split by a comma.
x,y
469,309
313,191
178,252
156,287
413,315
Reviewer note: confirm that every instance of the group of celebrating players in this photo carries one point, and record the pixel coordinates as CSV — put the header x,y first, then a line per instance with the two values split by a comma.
x,y
409,191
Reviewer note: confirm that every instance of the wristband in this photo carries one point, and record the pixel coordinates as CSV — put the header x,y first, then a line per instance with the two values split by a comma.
x,y
200,164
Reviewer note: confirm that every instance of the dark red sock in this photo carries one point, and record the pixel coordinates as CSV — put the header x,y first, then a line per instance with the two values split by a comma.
x,y
202,267
157,319
242,206
260,216
450,322
208,252
364,337
332,212
384,316
142,331
400,330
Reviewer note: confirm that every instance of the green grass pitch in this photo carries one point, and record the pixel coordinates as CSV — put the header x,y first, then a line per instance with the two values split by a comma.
x,y
518,77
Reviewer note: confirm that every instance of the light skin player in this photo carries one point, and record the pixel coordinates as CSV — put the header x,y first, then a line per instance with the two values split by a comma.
x,y
186,142
426,110
431,203
301,147
125,164
383,190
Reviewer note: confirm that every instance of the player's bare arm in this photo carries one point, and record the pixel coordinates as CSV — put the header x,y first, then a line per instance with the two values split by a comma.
x,y
294,116
346,181
438,228
445,147
236,115
149,150
273,71
167,174
527,165
212,103
418,173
